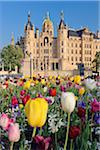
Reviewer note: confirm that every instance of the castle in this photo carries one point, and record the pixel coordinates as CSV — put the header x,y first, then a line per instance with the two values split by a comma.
x,y
64,52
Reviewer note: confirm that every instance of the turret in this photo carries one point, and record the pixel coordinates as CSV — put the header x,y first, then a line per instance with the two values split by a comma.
x,y
29,28
12,40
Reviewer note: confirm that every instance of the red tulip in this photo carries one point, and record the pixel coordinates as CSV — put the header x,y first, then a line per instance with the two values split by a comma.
x,y
74,131
14,100
22,92
81,112
42,143
52,92
25,99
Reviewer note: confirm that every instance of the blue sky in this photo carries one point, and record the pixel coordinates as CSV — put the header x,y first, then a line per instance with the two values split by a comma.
x,y
77,14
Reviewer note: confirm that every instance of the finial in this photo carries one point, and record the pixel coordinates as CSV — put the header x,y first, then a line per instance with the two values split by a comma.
x,y
47,15
29,15
62,15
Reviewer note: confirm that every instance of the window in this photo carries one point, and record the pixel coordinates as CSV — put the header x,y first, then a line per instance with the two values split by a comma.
x,y
62,50
50,32
68,58
80,51
41,44
76,45
72,58
72,51
46,40
62,43
72,44
80,59
76,58
50,44
76,51
37,45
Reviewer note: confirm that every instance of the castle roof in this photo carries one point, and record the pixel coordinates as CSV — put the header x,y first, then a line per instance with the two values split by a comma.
x,y
29,24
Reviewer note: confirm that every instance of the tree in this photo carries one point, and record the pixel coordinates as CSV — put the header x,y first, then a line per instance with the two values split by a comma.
x,y
12,56
96,61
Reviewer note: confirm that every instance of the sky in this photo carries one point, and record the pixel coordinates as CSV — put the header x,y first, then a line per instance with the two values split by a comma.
x,y
77,14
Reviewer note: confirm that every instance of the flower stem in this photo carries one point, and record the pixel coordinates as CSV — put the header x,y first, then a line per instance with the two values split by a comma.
x,y
40,131
33,134
55,140
34,131
67,131
71,144
11,146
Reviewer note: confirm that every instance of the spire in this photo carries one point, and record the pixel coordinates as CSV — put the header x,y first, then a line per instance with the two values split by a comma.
x,y
62,15
47,15
29,15
12,39
62,23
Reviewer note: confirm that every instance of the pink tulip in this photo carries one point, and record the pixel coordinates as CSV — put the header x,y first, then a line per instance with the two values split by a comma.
x,y
5,121
14,132
95,106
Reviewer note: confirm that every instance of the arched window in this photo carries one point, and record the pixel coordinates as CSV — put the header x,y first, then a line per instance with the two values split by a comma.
x,y
46,40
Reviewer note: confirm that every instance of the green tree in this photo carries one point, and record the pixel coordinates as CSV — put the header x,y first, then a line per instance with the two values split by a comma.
x,y
12,56
96,61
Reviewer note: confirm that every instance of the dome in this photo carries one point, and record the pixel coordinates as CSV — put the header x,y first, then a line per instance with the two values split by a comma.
x,y
47,23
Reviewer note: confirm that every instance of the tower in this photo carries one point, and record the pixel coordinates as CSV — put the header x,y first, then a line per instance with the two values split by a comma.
x,y
62,42
29,36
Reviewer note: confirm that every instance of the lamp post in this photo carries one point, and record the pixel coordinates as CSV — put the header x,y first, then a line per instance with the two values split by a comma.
x,y
30,65
30,56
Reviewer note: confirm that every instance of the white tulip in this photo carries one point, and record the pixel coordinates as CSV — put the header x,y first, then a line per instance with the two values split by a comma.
x,y
90,84
68,102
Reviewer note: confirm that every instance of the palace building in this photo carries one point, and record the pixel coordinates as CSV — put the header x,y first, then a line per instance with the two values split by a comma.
x,y
64,52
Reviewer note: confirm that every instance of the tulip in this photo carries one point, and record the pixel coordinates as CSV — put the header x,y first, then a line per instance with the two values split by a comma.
x,y
43,81
25,99
68,101
81,112
52,92
4,121
77,79
27,85
90,84
14,101
14,132
68,104
74,131
22,92
36,112
81,91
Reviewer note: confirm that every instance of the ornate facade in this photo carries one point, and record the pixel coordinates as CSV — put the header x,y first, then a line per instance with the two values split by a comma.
x,y
63,52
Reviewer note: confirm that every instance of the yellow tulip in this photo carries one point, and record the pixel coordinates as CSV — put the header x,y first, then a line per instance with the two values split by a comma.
x,y
27,85
71,78
58,77
21,106
81,91
50,77
43,81
36,82
77,79
36,112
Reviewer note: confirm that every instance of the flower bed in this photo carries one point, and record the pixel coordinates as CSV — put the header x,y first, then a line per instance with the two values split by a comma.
x,y
51,113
